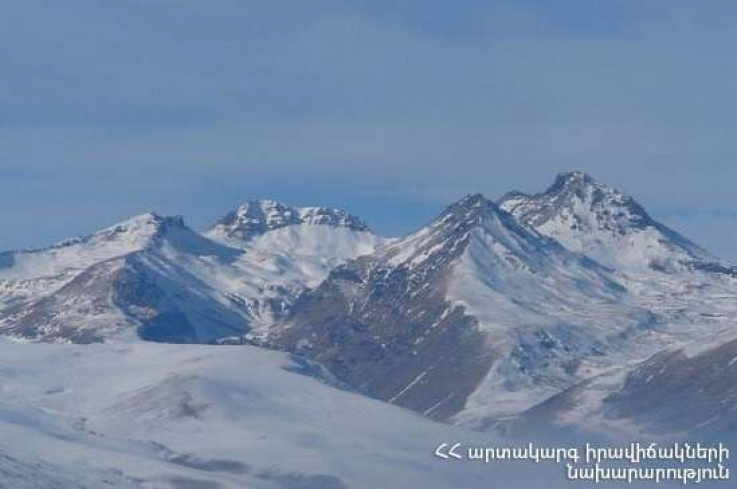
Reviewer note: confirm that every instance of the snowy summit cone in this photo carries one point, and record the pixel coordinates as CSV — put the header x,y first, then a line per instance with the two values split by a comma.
x,y
604,224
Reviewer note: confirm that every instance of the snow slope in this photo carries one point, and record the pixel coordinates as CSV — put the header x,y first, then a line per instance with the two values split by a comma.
x,y
29,274
134,277
285,251
153,415
479,317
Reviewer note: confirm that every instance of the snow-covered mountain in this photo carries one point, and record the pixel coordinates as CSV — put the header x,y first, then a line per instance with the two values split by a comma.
x,y
154,277
27,274
604,224
133,277
482,315
285,250
478,318
691,295
474,313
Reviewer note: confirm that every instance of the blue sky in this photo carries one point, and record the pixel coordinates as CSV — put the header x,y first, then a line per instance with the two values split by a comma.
x,y
388,109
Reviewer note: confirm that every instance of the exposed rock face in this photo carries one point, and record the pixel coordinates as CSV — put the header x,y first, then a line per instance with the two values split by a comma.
x,y
382,323
285,250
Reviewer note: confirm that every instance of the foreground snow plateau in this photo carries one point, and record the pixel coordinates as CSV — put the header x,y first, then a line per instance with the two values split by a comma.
x,y
158,416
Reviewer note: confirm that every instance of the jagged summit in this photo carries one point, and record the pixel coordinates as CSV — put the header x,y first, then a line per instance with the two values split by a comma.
x,y
468,211
603,223
564,181
129,236
576,179
576,189
479,223
446,236
471,200
256,217
578,186
151,220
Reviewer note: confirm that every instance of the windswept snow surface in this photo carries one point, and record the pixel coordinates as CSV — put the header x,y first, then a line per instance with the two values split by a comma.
x,y
280,264
173,416
285,250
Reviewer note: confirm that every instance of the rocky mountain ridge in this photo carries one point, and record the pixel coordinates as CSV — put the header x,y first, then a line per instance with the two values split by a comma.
x,y
479,318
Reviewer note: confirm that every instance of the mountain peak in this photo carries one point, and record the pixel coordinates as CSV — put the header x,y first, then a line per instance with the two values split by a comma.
x,y
584,187
153,219
256,217
463,216
566,186
602,222
473,200
472,218
574,178
469,207
136,231
473,209
143,226
575,194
